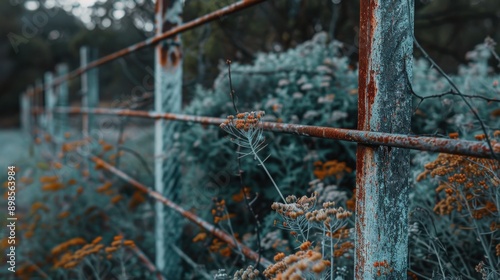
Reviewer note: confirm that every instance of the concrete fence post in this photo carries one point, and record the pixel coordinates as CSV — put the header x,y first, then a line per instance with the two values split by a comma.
x,y
33,106
24,101
40,118
90,89
385,66
90,99
168,98
62,100
50,101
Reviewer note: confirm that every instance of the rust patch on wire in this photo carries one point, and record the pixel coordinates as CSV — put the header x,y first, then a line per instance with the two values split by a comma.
x,y
238,6
431,144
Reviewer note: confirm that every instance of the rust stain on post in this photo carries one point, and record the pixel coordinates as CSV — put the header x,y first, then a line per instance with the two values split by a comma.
x,y
366,91
384,106
366,77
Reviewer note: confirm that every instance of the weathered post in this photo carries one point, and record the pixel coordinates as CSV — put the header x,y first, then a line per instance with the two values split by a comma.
x,y
385,65
168,98
90,99
24,101
33,106
50,101
62,100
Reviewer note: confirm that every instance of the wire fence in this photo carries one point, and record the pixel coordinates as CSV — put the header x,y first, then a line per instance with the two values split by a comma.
x,y
39,102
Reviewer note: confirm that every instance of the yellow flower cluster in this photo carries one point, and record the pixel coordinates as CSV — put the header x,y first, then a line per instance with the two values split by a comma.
x,y
72,146
65,245
249,273
219,211
294,266
327,212
105,146
69,260
294,206
465,182
38,206
343,249
243,121
105,187
221,247
136,199
330,168
25,272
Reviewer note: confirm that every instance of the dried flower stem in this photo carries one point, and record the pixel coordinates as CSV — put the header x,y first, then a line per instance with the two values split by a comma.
x,y
247,134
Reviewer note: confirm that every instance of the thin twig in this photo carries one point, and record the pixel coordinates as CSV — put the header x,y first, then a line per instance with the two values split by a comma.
x,y
471,96
490,44
138,156
195,266
147,262
39,270
240,175
453,86
232,93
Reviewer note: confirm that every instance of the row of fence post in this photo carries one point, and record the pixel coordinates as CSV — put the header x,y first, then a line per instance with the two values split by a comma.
x,y
168,98
45,96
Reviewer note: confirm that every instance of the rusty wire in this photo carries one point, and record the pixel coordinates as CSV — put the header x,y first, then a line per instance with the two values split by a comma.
x,y
431,144
230,9
186,214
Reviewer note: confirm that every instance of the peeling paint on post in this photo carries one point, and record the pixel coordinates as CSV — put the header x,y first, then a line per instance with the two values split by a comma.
x,y
168,98
382,174
62,100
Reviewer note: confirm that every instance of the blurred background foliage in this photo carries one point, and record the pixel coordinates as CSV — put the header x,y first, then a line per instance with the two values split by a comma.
x,y
297,60
446,28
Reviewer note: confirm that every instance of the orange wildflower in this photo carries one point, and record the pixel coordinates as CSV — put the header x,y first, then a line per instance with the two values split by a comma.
x,y
116,198
136,199
104,187
129,243
226,252
48,179
63,215
38,206
53,187
96,240
200,237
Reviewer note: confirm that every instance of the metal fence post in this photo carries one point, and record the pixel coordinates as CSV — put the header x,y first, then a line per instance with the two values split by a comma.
x,y
50,101
90,89
62,100
32,107
24,100
90,99
385,63
40,107
168,98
